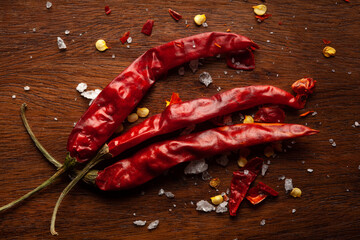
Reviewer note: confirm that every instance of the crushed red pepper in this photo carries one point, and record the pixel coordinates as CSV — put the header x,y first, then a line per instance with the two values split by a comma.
x,y
125,37
325,41
306,113
147,28
175,15
257,194
107,10
263,17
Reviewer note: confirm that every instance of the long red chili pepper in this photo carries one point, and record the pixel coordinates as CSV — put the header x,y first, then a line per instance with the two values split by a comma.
x,y
158,157
177,116
116,101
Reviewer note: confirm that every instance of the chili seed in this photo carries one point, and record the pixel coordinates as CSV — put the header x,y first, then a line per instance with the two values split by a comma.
x,y
242,161
133,117
101,45
296,192
248,119
329,51
260,9
143,112
217,199
215,182
200,19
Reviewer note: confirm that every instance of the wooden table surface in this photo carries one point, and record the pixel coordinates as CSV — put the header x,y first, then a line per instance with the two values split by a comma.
x,y
329,207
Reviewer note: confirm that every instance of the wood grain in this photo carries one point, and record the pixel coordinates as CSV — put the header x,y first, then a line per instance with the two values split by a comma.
x,y
329,207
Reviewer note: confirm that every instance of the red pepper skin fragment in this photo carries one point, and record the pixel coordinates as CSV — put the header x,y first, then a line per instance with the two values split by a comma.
x,y
107,10
175,15
260,192
125,37
306,113
147,28
181,115
119,98
153,160
263,17
304,86
272,114
326,41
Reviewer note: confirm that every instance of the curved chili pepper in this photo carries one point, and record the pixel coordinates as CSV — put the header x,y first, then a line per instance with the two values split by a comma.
x,y
158,157
117,100
180,115
272,114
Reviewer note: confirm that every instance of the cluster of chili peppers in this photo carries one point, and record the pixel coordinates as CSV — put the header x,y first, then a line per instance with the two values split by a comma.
x,y
119,98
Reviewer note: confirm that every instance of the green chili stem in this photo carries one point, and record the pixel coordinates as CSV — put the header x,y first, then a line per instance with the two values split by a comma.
x,y
101,155
37,143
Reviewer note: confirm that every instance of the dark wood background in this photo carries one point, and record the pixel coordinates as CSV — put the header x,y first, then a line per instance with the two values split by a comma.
x,y
329,207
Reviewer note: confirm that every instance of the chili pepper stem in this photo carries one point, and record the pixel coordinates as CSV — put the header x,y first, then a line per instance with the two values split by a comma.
x,y
101,155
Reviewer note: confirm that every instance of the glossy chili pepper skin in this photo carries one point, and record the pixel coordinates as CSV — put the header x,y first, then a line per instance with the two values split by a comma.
x,y
158,157
181,115
118,99
272,114
258,193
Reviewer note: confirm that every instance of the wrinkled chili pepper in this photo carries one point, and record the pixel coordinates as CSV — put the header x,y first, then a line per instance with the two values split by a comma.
x,y
258,193
272,114
125,37
147,28
241,182
153,160
118,99
175,15
181,115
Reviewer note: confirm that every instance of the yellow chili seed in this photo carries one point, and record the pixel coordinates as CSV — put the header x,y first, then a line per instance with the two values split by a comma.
x,y
132,117
143,112
268,151
215,182
248,119
329,51
101,45
119,129
200,19
217,199
260,9
296,192
242,161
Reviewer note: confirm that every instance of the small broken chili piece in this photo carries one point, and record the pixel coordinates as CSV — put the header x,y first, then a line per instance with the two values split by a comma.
x,y
272,114
107,10
260,192
125,37
175,15
326,41
147,28
263,17
306,113
304,86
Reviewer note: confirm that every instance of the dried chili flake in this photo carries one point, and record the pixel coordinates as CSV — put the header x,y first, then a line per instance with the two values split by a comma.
x,y
187,25
325,41
216,44
175,98
259,193
147,28
306,113
175,15
125,37
228,30
263,17
280,23
107,10
304,86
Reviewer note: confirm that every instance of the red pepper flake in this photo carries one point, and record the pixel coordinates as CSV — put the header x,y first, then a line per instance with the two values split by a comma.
x,y
304,86
175,98
216,44
188,25
259,193
175,15
147,28
306,113
125,37
228,30
280,23
107,10
263,17
326,41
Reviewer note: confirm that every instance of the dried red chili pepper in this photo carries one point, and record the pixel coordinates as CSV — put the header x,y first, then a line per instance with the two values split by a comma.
x,y
175,15
305,113
107,10
241,182
147,28
258,193
272,114
125,37
181,115
118,99
158,157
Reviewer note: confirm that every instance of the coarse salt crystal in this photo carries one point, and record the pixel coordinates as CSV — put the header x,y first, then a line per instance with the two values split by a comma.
x,y
359,167
349,73
310,170
333,144
34,29
293,210
92,94
81,87
288,184
196,167
218,89
314,113
169,195
13,96
67,32
204,206
161,192
333,70
267,40
264,168
262,222
271,32
205,25
205,78
153,224
48,5
139,223
221,208
331,140
282,177
26,88
129,40
357,124
128,46
55,119
61,43
225,72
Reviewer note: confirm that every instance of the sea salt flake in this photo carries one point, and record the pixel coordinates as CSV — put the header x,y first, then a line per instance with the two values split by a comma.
x,y
349,73
359,167
223,160
128,46
267,40
26,88
34,29
81,87
206,176
221,208
333,70
356,124
67,32
333,144
262,222
113,56
92,94
331,140
310,170
314,114
218,89
13,96
205,78
194,65
161,192
204,206
293,210
55,119
48,4
196,167
288,184
264,168
205,25
129,40
61,43
153,224
225,72
139,223
169,195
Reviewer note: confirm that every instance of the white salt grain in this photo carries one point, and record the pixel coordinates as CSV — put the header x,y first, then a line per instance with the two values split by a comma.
x,y
204,206
246,172
161,192
67,32
205,78
55,119
293,210
288,184
26,88
113,56
92,94
262,222
128,46
331,140
13,96
205,25
225,72
34,29
221,208
310,170
357,124
153,225
61,43
129,40
139,223
81,87
264,168
218,89
48,5
196,167
223,160
333,70
314,113
169,195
